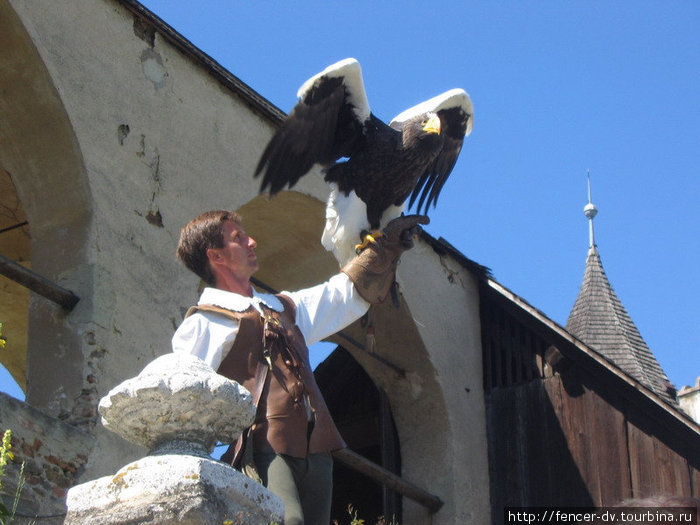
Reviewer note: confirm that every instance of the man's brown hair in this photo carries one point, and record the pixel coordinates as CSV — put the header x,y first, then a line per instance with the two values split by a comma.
x,y
201,233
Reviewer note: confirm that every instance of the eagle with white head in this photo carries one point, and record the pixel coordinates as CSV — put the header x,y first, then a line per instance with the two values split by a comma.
x,y
372,168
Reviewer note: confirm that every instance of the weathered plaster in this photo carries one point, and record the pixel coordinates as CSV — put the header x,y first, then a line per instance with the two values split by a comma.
x,y
431,284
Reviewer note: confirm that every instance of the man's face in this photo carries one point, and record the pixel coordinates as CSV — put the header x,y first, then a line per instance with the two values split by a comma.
x,y
238,252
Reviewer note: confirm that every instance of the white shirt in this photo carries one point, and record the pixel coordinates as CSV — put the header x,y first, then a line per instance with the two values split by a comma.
x,y
321,311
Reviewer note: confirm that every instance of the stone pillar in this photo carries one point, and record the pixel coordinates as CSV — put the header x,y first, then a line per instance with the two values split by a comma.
x,y
178,408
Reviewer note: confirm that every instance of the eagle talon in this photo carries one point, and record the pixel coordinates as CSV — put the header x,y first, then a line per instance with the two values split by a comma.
x,y
367,239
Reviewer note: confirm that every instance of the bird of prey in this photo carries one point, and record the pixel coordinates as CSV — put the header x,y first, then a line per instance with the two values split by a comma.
x,y
372,168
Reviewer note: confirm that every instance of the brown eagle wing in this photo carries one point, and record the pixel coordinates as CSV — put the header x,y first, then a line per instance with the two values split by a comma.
x,y
323,127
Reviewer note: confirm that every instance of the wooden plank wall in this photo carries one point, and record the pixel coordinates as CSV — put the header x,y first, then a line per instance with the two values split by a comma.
x,y
570,437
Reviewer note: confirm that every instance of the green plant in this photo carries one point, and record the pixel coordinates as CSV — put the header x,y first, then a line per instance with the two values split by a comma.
x,y
3,341
355,520
5,452
5,456
7,515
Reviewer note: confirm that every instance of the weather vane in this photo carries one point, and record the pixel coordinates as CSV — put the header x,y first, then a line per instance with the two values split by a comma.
x,y
590,211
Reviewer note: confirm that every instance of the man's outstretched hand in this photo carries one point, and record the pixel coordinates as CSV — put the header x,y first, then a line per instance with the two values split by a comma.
x,y
373,269
403,229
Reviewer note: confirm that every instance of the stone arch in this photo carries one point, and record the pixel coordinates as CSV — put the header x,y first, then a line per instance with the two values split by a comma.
x,y
362,413
288,229
39,151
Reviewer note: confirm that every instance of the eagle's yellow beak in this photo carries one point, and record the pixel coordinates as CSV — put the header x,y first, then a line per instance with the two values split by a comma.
x,y
432,125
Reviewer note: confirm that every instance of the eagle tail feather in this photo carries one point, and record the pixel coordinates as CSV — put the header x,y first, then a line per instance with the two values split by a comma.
x,y
346,217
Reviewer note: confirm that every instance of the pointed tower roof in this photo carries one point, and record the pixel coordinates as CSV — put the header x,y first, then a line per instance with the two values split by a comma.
x,y
600,320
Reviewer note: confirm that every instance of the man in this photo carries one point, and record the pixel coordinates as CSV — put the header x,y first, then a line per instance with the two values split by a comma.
x,y
260,341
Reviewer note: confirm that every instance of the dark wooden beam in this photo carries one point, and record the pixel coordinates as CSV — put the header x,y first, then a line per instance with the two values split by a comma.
x,y
389,479
38,284
14,227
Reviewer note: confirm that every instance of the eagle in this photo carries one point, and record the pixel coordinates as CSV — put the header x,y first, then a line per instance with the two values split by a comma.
x,y
372,167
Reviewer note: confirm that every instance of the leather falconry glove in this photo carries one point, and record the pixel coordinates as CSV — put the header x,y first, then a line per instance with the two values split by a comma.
x,y
373,270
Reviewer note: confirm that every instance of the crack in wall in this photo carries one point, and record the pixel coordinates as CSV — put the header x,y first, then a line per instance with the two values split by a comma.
x,y
453,276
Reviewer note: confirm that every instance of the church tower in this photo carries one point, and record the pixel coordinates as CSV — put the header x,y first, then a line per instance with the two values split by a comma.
x,y
600,320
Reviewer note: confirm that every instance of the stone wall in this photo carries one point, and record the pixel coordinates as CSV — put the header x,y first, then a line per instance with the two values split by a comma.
x,y
54,455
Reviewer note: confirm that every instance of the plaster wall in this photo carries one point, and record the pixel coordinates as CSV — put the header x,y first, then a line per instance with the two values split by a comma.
x,y
443,299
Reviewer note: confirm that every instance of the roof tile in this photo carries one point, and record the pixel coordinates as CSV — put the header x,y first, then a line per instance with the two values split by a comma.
x,y
600,320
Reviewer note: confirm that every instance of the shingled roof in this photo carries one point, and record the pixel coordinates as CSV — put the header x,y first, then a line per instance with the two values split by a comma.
x,y
600,320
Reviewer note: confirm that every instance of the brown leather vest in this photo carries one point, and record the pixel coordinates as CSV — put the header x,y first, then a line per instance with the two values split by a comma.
x,y
291,403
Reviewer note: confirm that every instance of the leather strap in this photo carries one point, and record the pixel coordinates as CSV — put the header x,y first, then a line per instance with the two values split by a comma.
x,y
234,453
273,335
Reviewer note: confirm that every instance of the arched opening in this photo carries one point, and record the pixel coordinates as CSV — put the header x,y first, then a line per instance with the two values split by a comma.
x,y
288,231
41,162
363,415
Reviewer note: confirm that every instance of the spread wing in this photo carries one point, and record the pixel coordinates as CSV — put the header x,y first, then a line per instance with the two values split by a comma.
x,y
456,116
326,124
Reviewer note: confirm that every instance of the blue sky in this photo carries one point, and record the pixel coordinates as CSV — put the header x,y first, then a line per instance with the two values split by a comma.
x,y
558,88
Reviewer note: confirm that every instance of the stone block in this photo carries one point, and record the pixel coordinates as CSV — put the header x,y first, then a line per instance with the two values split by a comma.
x,y
173,489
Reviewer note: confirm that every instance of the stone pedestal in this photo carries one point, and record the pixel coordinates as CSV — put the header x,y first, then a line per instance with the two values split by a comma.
x,y
179,408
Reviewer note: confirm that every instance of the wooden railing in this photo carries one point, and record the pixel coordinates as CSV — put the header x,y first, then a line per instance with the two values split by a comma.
x,y
389,479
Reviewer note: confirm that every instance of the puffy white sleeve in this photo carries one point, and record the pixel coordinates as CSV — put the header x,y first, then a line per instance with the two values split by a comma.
x,y
206,336
324,309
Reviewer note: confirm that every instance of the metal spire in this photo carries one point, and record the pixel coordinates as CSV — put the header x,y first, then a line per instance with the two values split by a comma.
x,y
590,211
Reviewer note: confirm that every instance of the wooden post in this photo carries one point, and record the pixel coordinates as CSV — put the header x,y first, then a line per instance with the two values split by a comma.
x,y
38,284
391,480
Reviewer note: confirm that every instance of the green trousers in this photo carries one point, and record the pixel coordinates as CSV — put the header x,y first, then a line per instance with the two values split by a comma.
x,y
305,485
